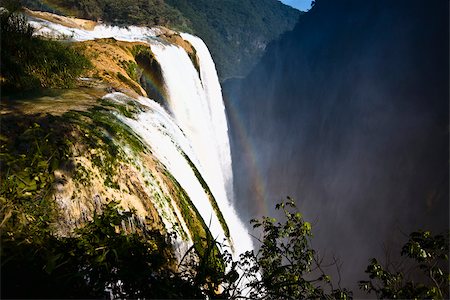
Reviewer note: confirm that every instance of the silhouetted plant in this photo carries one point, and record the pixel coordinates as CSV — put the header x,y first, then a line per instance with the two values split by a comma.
x,y
102,259
285,266
427,277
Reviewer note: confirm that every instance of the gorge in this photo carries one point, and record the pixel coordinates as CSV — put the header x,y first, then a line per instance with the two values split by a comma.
x,y
127,172
168,162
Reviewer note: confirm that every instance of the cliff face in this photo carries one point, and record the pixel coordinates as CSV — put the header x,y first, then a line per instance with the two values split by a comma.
x,y
349,115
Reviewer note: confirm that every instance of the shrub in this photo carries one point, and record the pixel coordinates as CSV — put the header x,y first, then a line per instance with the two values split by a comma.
x,y
29,62
428,276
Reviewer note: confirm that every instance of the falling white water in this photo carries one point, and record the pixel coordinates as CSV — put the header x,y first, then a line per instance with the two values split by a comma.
x,y
160,132
197,108
216,108
127,34
197,127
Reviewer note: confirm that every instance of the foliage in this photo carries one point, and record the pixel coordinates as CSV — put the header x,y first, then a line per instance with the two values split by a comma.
x,y
430,266
285,266
29,154
102,259
206,269
28,62
104,255
236,32
136,12
107,258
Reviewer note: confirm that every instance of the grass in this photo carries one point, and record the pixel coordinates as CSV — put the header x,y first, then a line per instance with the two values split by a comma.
x,y
29,62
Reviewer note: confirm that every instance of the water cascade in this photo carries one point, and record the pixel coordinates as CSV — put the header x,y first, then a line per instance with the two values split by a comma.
x,y
189,136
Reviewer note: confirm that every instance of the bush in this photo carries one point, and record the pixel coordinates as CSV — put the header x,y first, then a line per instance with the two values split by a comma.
x,y
428,275
285,266
29,62
101,260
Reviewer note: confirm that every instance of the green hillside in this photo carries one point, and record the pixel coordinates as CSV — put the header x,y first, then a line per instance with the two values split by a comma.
x,y
139,12
236,31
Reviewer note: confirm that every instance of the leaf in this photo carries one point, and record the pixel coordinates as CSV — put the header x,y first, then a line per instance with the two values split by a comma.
x,y
51,262
42,164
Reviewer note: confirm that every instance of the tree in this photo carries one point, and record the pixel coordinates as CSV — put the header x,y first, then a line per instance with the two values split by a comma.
x,y
285,266
105,259
427,277
102,259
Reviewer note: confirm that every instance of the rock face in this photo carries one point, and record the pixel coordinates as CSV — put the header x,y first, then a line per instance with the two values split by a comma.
x,y
348,114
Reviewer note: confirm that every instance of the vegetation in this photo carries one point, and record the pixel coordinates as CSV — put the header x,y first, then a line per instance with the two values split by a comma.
x,y
211,198
30,153
427,277
236,32
104,258
135,12
285,266
28,62
101,260
33,148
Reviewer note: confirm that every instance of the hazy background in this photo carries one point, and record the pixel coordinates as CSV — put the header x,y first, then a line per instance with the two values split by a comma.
x,y
348,114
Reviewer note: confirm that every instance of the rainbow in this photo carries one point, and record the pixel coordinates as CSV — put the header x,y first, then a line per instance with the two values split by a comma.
x,y
256,180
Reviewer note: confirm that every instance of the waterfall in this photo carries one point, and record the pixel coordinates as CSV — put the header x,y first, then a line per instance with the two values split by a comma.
x,y
216,109
169,144
192,136
200,112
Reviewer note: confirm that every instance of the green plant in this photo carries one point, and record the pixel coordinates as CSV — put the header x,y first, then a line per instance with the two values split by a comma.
x,y
285,266
31,150
427,277
29,62
103,258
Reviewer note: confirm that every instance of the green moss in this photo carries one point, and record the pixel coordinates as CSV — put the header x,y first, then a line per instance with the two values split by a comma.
x,y
101,131
197,227
129,83
81,174
194,221
111,129
129,109
131,68
211,198
125,110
